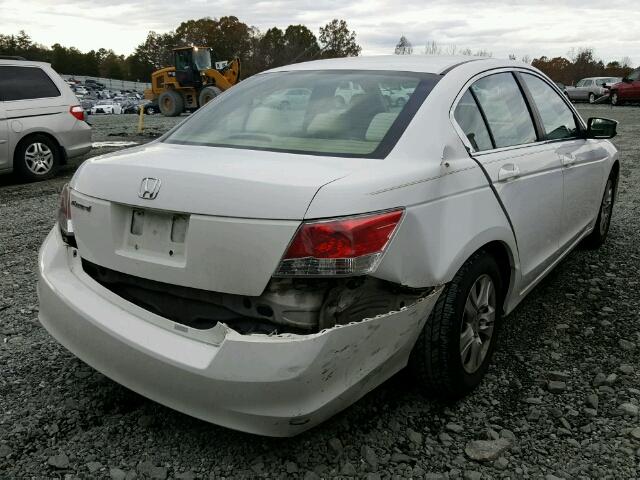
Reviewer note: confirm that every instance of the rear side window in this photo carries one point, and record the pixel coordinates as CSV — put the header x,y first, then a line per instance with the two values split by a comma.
x,y
506,112
468,116
557,118
25,83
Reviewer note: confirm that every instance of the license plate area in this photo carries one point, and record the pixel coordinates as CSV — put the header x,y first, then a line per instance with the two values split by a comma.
x,y
157,234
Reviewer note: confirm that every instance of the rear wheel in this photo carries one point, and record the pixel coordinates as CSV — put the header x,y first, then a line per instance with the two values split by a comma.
x,y
207,94
37,158
592,98
454,349
601,228
171,103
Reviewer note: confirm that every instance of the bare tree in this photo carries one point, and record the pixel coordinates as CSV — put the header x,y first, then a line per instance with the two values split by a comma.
x,y
512,56
526,59
483,53
467,52
626,62
404,47
432,48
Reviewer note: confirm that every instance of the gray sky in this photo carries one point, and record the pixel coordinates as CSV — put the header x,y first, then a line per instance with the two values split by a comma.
x,y
542,27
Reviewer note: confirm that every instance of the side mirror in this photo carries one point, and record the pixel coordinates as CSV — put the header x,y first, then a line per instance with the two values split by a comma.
x,y
601,128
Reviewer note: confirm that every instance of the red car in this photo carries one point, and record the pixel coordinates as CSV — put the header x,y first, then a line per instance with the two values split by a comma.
x,y
628,90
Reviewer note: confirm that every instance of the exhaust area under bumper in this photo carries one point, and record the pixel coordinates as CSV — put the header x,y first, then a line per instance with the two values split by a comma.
x,y
278,385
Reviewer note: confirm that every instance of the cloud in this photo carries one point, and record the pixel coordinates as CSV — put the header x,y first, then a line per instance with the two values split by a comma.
x,y
523,27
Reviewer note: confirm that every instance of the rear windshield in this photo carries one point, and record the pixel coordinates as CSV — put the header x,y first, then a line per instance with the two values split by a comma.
x,y
337,113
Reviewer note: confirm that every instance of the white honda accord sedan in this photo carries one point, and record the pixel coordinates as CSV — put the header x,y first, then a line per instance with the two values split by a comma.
x,y
263,268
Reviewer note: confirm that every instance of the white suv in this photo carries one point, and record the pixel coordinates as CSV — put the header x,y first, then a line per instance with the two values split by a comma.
x,y
41,122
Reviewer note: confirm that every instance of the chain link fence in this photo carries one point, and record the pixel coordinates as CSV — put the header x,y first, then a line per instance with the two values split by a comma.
x,y
110,83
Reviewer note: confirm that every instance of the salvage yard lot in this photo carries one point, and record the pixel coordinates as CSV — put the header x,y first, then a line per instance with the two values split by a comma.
x,y
580,329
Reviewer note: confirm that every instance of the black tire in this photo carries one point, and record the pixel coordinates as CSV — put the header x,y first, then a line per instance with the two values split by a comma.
x,y
171,103
436,360
601,229
592,98
150,110
37,157
207,94
614,99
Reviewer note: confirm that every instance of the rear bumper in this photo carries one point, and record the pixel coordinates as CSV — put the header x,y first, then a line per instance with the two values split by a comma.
x,y
269,385
77,141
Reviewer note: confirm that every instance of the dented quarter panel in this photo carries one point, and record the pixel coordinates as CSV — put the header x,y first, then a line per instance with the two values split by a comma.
x,y
451,210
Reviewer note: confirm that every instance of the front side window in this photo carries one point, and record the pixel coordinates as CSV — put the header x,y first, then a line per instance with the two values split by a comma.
x,y
505,110
468,116
635,75
557,118
338,113
25,83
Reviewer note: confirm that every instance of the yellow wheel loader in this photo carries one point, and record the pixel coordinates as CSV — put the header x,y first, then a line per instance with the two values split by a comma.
x,y
192,81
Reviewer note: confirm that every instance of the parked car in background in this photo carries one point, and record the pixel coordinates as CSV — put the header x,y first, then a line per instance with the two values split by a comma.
x,y
94,83
151,107
106,106
87,103
80,91
589,89
263,269
627,90
293,98
41,121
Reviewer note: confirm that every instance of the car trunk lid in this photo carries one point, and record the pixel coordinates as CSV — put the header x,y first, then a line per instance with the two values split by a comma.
x,y
220,220
212,181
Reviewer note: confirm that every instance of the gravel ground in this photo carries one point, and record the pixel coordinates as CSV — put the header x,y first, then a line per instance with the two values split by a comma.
x,y
561,400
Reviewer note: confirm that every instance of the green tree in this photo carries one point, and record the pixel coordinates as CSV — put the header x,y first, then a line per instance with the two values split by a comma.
x,y
272,49
338,41
301,44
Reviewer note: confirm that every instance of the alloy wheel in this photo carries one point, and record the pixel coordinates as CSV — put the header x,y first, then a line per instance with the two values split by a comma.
x,y
39,158
606,208
478,321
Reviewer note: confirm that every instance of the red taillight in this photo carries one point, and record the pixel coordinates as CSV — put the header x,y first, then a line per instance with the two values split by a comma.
x,y
348,246
77,111
64,211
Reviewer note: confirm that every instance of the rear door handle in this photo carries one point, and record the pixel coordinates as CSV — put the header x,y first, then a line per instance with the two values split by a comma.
x,y
508,171
2,142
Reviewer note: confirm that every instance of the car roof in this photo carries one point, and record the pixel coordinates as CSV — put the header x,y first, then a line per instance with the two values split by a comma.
x,y
24,63
438,64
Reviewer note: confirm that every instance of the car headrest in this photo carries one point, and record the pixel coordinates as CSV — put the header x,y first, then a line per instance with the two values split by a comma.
x,y
379,126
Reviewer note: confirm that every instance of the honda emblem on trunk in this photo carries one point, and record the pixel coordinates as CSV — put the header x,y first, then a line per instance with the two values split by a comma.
x,y
149,188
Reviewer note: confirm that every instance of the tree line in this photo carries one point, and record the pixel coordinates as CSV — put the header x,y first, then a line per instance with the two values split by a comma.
x,y
580,63
227,36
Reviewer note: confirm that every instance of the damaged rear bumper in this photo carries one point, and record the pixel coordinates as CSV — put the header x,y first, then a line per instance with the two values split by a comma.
x,y
276,385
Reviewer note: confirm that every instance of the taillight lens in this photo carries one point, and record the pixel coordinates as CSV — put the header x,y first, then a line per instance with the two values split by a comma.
x,y
64,212
77,111
345,246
